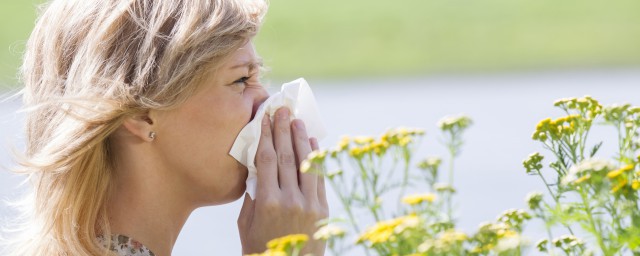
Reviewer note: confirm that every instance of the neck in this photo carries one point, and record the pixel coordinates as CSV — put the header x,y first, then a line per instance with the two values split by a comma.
x,y
145,205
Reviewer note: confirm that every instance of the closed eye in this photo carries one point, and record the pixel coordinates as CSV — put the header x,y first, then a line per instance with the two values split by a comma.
x,y
242,80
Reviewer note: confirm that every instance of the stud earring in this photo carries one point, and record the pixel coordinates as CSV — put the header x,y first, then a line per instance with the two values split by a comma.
x,y
152,135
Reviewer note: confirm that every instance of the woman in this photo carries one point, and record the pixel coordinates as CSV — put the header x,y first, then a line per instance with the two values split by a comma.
x,y
133,108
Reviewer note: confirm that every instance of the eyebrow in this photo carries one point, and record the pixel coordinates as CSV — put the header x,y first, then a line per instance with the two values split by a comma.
x,y
252,64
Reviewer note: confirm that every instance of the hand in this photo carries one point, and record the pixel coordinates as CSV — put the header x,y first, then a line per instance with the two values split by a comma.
x,y
287,201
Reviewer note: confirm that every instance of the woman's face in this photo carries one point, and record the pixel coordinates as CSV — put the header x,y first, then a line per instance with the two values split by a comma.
x,y
195,139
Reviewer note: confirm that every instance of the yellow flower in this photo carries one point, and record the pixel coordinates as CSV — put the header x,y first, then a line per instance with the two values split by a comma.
x,y
402,131
635,185
268,253
384,231
582,179
452,236
286,242
419,198
343,144
357,152
380,147
620,185
381,232
404,141
363,140
616,173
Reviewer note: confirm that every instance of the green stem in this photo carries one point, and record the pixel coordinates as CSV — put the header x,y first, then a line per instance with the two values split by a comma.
x,y
347,208
449,198
593,224
405,178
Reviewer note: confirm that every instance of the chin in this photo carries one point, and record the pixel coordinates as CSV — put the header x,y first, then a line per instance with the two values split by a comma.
x,y
235,188
232,194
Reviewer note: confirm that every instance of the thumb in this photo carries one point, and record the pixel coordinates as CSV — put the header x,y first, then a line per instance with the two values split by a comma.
x,y
246,212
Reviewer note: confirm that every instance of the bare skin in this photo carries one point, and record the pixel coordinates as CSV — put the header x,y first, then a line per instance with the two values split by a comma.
x,y
287,201
160,181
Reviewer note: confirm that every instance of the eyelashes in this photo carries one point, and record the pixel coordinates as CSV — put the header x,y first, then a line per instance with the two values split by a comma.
x,y
242,80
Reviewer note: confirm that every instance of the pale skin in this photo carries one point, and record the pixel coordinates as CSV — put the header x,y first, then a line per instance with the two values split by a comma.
x,y
160,181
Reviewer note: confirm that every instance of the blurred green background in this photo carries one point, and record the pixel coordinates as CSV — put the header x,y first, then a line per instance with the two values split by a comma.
x,y
357,38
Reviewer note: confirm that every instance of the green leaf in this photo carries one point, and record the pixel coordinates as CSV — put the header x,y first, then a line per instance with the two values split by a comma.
x,y
595,149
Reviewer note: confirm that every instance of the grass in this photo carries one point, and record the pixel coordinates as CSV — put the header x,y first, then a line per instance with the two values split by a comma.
x,y
359,37
334,38
17,18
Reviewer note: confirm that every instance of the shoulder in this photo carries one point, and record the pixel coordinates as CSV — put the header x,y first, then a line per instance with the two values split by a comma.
x,y
125,246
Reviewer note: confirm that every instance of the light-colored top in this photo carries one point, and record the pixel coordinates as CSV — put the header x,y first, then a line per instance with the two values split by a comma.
x,y
125,246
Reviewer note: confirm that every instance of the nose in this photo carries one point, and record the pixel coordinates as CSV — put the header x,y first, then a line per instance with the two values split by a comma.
x,y
261,96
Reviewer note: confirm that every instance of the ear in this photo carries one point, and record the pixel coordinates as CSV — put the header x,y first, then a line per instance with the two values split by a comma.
x,y
141,126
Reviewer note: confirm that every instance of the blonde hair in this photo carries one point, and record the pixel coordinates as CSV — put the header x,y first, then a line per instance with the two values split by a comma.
x,y
88,65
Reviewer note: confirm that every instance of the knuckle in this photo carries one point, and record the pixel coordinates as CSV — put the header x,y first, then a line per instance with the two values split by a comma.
x,y
295,207
265,134
266,156
286,159
270,205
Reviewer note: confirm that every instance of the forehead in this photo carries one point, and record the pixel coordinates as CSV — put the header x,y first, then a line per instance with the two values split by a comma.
x,y
244,55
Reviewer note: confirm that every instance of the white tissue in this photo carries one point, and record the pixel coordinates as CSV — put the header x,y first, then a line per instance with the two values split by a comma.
x,y
295,95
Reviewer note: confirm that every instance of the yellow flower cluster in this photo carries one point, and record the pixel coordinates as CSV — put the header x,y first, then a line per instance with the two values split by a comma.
x,y
583,171
444,243
419,198
283,246
558,128
620,178
386,231
489,236
360,146
588,107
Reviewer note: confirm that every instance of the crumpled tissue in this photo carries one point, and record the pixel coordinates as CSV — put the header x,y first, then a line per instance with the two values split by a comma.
x,y
298,97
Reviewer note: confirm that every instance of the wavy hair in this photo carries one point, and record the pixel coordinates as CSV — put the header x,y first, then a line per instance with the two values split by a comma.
x,y
88,65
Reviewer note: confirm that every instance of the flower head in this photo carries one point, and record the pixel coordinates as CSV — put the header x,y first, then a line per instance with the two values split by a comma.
x,y
455,123
386,231
584,171
533,200
444,188
328,231
285,243
533,162
587,107
616,173
419,198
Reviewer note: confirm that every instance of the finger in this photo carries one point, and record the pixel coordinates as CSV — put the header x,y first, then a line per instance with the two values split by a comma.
x,y
266,159
321,192
308,181
287,170
246,213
